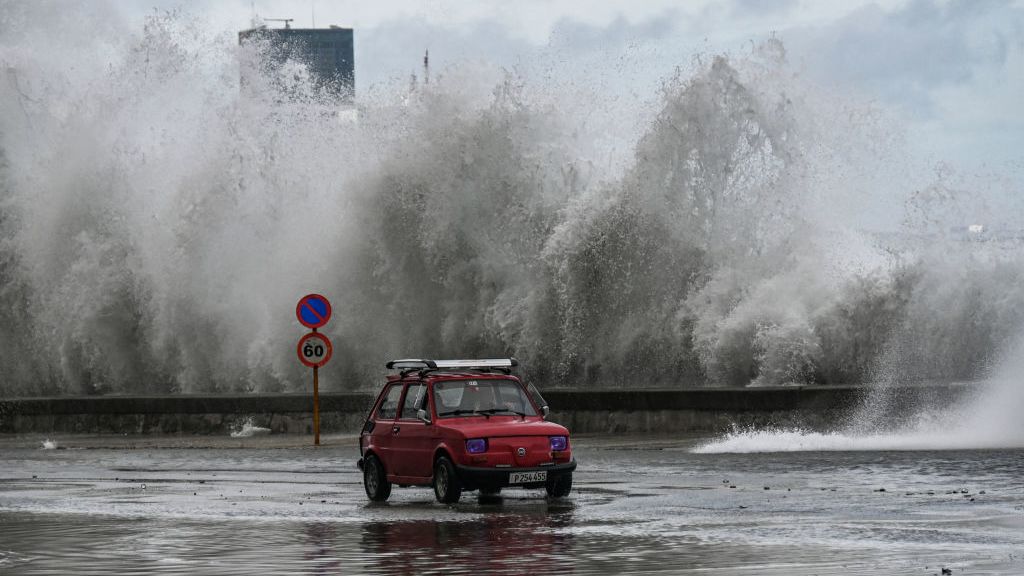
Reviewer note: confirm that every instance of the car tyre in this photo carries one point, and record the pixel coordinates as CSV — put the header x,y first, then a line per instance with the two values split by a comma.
x,y
559,486
375,480
447,488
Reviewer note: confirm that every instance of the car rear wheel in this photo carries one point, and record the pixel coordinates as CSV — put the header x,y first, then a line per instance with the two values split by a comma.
x,y
559,486
447,488
375,481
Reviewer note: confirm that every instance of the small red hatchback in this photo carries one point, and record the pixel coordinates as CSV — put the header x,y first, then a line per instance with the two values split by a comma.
x,y
462,425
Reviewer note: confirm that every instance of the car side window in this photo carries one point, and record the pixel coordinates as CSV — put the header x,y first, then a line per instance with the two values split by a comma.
x,y
414,400
389,406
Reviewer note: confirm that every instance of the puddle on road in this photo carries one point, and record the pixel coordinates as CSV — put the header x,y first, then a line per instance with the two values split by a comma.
x,y
678,516
492,544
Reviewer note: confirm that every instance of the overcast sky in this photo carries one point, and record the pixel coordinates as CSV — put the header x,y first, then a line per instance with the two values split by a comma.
x,y
954,70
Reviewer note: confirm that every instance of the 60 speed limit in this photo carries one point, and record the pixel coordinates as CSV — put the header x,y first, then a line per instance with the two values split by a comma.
x,y
314,349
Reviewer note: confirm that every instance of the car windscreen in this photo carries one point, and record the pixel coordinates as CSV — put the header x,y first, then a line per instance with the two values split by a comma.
x,y
466,397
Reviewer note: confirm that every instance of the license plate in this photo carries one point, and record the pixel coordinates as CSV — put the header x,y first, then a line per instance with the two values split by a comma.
x,y
527,477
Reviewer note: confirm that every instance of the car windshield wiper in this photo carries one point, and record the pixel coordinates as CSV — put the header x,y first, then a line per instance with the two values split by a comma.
x,y
496,410
464,411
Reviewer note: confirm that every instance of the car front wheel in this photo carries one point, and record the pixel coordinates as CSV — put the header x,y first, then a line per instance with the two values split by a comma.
x,y
559,486
375,481
447,488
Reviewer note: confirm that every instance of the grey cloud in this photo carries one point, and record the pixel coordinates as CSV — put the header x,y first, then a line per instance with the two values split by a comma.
x,y
398,45
903,55
758,8
579,36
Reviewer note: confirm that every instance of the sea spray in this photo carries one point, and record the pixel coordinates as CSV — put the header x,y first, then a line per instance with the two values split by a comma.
x,y
247,429
158,222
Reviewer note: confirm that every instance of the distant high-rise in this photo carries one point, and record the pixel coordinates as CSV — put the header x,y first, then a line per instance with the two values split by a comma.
x,y
327,53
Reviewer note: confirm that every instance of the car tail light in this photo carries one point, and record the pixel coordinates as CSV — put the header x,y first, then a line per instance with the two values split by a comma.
x,y
476,445
559,443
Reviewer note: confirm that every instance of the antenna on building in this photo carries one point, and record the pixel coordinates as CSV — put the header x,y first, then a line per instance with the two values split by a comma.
x,y
426,66
287,21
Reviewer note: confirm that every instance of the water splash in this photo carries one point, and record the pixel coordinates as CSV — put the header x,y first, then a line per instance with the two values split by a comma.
x,y
246,429
945,430
989,418
157,224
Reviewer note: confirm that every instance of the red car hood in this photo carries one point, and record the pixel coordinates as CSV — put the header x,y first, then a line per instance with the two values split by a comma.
x,y
502,426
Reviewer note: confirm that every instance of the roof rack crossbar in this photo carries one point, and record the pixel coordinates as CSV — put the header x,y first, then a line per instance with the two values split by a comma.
x,y
425,364
407,363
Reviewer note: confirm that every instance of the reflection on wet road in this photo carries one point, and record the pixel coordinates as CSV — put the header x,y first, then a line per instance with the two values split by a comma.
x,y
638,506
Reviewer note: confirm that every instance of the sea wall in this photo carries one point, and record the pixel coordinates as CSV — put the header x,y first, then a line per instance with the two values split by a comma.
x,y
583,411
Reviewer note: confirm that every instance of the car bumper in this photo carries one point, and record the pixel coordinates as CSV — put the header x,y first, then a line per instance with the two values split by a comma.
x,y
498,477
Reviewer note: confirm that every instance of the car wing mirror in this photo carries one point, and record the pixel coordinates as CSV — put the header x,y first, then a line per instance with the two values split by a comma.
x,y
545,410
422,415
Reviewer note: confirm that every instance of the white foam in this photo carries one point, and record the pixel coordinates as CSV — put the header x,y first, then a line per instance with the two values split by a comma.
x,y
248,429
800,440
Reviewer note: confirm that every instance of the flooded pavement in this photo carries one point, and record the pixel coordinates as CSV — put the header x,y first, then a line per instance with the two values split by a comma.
x,y
639,505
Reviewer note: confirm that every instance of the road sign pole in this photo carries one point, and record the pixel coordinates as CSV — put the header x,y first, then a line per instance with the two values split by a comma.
x,y
316,406
316,403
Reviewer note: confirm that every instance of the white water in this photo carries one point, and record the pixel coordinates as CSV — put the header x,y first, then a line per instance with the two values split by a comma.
x,y
954,437
247,429
992,418
157,226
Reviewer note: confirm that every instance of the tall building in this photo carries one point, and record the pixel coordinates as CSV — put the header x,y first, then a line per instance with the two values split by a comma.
x,y
327,53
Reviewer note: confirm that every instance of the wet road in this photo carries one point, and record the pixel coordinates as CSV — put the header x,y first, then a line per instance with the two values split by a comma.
x,y
639,505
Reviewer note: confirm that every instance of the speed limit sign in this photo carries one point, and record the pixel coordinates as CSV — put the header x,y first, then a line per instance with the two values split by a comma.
x,y
314,349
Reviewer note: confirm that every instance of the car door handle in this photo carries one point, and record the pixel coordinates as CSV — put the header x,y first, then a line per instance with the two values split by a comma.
x,y
395,429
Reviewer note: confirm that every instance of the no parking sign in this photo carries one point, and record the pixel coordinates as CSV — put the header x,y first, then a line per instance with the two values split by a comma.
x,y
313,311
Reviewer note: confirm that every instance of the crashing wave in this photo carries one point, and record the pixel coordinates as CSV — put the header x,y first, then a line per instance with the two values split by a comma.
x,y
157,225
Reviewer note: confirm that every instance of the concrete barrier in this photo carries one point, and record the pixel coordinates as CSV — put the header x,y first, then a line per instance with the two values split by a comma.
x,y
183,414
583,411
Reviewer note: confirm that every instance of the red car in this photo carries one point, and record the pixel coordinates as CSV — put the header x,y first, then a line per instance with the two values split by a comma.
x,y
462,425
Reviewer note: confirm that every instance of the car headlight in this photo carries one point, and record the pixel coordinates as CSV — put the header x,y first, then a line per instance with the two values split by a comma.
x,y
559,443
476,445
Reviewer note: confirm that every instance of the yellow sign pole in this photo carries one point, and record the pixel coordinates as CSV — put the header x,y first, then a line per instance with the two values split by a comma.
x,y
316,403
316,406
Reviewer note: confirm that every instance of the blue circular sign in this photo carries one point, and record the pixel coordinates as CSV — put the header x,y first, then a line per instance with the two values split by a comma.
x,y
313,311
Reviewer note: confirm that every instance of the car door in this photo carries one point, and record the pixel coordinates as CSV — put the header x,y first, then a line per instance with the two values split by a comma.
x,y
382,436
413,439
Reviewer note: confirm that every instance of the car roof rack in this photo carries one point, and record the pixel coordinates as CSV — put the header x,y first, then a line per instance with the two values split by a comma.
x,y
407,363
423,365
